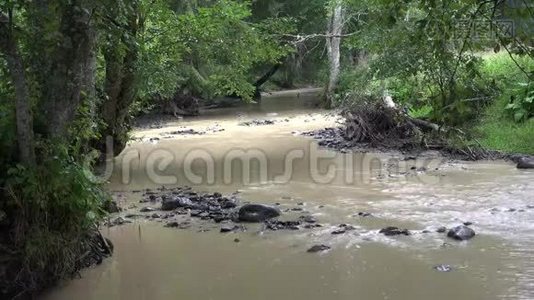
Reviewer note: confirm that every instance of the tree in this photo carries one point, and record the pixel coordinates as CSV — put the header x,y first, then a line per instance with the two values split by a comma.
x,y
333,43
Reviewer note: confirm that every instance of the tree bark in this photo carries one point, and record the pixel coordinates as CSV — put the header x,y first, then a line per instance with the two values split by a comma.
x,y
70,62
120,83
333,44
264,79
24,119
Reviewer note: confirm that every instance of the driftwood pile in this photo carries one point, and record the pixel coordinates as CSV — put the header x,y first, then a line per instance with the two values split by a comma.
x,y
380,125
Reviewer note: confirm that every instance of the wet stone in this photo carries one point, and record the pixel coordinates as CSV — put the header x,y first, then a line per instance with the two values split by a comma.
x,y
393,231
228,228
257,123
147,209
461,233
255,213
318,248
195,213
282,225
118,221
525,163
311,226
442,229
112,207
308,219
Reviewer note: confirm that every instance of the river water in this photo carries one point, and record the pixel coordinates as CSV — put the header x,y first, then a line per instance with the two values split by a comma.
x,y
153,262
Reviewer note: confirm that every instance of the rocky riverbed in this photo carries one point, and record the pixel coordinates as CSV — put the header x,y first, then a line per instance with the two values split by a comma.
x,y
185,209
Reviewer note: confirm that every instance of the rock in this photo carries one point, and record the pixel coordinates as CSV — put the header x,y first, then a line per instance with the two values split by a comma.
x,y
364,214
170,204
318,248
525,163
461,233
176,202
232,228
311,226
308,219
172,225
112,207
228,203
343,229
255,213
257,123
183,225
195,213
441,229
156,216
147,209
282,225
237,240
468,223
392,231
227,228
442,268
118,221
132,216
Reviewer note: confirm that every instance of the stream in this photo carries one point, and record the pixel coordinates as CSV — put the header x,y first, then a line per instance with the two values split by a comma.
x,y
369,191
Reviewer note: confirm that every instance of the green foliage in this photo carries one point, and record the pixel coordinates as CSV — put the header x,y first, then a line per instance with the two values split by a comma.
x,y
66,200
521,107
210,50
53,207
421,55
422,112
497,128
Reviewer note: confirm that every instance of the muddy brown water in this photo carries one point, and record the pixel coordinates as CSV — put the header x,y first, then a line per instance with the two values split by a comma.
x,y
153,262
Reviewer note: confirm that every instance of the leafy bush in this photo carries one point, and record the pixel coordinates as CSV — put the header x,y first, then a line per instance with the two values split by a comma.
x,y
521,107
53,208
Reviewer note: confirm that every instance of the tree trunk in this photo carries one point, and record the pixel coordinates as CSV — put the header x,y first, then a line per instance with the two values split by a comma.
x,y
333,44
69,64
120,83
24,119
264,79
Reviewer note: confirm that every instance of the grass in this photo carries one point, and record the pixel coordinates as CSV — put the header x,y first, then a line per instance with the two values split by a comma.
x,y
496,130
